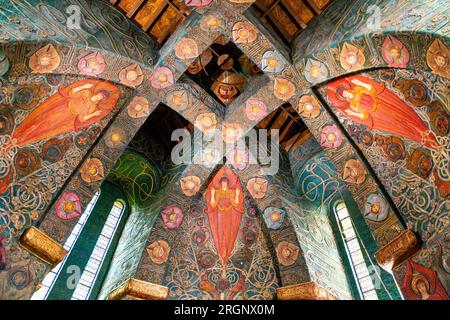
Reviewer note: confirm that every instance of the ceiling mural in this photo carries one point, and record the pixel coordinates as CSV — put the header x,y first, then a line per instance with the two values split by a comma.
x,y
365,119
198,261
402,127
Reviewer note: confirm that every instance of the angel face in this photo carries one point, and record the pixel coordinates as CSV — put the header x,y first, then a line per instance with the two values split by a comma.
x,y
441,60
395,52
45,60
352,59
348,94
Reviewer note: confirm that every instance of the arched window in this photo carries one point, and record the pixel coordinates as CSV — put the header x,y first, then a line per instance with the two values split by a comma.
x,y
90,273
50,278
355,255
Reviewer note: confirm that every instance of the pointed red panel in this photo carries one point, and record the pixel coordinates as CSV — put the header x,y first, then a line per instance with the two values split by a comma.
x,y
224,206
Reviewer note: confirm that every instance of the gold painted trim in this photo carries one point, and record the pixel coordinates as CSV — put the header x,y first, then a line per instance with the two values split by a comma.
x,y
141,290
42,246
304,291
398,250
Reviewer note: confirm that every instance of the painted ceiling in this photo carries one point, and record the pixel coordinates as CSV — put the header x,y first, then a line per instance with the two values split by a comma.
x,y
359,91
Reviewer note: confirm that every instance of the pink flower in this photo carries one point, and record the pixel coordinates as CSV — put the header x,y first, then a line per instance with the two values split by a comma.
x,y
256,109
331,137
162,78
68,206
92,65
172,217
197,3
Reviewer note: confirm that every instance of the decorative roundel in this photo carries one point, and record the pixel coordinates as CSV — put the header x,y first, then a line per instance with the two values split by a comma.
x,y
354,172
162,78
244,33
272,62
139,107
308,107
331,137
92,170
283,89
376,208
186,49
256,109
315,71
92,65
45,60
274,217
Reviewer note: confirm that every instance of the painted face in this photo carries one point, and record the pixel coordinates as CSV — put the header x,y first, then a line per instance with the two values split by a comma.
x,y
69,206
190,185
92,63
195,67
348,94
351,59
375,208
422,288
272,62
172,217
224,184
227,92
97,97
213,22
243,33
395,52
441,61
207,121
44,60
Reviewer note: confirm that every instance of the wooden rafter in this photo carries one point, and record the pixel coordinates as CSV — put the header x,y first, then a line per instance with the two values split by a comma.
x,y
154,17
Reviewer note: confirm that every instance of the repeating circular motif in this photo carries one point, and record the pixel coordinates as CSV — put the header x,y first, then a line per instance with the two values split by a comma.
x,y
6,122
26,161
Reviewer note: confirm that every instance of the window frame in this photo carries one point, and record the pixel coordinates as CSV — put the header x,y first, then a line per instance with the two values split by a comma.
x,y
355,256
